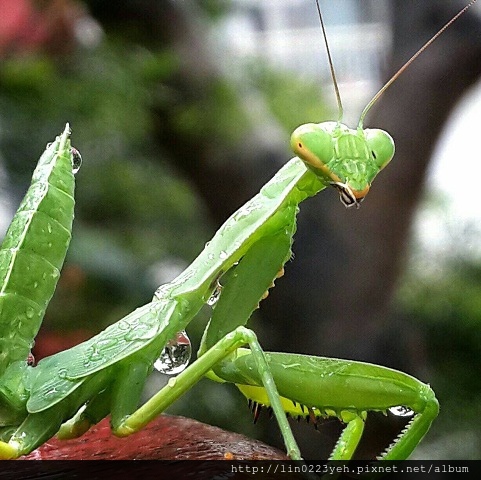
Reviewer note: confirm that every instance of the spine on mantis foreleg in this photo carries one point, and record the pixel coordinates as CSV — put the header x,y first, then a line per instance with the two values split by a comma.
x,y
34,249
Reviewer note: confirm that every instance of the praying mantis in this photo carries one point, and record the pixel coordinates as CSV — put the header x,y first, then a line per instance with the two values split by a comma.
x,y
68,392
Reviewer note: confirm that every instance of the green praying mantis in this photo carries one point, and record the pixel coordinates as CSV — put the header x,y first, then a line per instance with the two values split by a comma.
x,y
68,392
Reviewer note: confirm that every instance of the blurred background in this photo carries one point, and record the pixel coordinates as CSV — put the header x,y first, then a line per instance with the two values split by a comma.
x,y
183,109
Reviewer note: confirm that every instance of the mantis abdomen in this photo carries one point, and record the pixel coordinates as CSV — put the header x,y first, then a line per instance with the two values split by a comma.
x,y
34,250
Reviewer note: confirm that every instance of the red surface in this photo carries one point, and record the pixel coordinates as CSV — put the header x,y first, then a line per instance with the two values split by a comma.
x,y
172,439
166,438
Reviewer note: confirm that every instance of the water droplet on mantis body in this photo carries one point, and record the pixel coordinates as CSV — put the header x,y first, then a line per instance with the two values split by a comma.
x,y
247,210
162,292
401,411
52,391
215,295
175,356
30,360
76,160
123,325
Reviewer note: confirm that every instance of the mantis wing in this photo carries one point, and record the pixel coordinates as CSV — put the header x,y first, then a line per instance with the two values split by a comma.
x,y
59,375
34,249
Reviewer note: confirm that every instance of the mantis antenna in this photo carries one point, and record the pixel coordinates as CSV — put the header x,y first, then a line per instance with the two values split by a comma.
x,y
406,65
331,65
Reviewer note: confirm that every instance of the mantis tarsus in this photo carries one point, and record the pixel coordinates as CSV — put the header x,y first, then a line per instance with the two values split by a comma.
x,y
68,392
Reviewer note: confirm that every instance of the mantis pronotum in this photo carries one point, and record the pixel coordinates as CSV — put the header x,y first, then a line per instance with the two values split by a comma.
x,y
68,392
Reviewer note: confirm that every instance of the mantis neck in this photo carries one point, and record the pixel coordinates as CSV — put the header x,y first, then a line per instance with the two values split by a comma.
x,y
261,215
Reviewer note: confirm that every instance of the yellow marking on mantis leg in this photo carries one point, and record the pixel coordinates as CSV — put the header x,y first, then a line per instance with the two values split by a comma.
x,y
259,396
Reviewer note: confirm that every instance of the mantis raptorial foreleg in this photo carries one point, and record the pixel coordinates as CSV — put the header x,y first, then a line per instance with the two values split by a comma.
x,y
236,303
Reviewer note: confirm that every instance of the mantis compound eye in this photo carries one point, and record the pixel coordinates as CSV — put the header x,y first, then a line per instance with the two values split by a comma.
x,y
347,196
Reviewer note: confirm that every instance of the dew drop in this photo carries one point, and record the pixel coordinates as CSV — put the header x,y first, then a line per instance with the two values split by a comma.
x,y
215,295
93,354
52,391
223,255
175,356
30,360
107,343
76,160
30,312
123,325
163,292
401,411
211,256
62,373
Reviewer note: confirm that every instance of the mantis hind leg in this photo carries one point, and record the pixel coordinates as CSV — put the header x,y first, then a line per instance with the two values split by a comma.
x,y
344,389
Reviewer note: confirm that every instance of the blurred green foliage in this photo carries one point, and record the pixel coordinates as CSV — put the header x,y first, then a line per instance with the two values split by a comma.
x,y
440,299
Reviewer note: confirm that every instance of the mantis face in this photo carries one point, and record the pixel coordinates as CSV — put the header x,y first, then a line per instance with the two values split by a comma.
x,y
345,158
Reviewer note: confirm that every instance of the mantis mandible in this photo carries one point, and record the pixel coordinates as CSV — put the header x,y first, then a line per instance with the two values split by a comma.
x,y
68,392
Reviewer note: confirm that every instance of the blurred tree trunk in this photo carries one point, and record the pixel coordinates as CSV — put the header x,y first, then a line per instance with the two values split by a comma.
x,y
336,296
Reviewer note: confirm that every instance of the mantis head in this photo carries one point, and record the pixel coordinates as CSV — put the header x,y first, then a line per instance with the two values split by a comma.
x,y
350,159
342,157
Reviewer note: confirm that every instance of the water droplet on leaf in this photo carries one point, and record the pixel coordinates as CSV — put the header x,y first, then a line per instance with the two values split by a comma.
x,y
175,356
